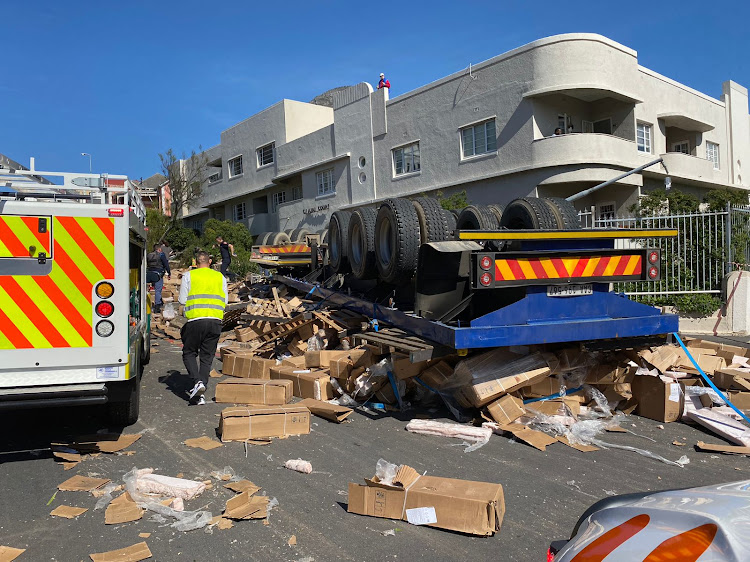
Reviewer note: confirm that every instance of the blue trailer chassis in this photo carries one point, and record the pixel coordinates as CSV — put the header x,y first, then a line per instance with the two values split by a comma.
x,y
535,319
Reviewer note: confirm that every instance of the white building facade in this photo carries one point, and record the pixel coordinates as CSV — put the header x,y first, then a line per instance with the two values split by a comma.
x,y
489,130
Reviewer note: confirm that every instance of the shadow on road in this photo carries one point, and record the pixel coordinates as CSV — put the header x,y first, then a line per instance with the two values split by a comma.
x,y
177,383
27,434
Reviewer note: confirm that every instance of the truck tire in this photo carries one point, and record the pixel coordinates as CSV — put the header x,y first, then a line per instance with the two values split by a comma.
x,y
338,241
126,412
290,233
477,217
528,213
450,221
396,241
277,238
497,210
298,235
324,236
362,243
433,226
260,240
565,213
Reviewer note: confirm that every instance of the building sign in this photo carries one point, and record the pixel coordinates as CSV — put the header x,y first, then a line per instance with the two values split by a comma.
x,y
320,208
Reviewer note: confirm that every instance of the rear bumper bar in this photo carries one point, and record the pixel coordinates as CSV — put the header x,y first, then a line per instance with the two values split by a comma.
x,y
17,398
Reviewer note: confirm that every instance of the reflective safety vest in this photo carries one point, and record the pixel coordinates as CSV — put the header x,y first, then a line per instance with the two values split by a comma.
x,y
206,297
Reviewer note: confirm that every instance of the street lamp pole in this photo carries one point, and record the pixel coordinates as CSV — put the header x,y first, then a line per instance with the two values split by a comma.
x,y
89,155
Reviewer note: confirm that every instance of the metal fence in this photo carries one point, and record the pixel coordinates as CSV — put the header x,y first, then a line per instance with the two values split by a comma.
x,y
708,246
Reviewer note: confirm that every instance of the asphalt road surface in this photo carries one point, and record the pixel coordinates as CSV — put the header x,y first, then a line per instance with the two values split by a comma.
x,y
545,492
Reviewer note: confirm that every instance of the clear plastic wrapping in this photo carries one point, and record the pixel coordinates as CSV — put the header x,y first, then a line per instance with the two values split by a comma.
x,y
386,471
494,364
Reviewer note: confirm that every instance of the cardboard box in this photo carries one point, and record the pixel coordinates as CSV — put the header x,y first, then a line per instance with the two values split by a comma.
x,y
740,398
663,357
482,393
657,400
506,409
403,368
296,362
610,374
544,387
709,363
447,503
239,423
734,379
307,383
237,365
235,349
325,410
254,391
261,368
339,363
438,375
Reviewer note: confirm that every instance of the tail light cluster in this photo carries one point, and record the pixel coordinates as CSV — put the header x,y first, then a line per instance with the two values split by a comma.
x,y
104,309
653,264
485,274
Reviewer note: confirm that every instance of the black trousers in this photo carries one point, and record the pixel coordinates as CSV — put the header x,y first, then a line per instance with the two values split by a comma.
x,y
199,341
225,266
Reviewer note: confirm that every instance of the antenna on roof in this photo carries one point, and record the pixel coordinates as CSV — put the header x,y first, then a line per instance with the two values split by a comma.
x,y
472,76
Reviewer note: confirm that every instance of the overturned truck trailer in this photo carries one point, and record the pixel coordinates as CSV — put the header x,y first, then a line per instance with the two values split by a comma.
x,y
488,276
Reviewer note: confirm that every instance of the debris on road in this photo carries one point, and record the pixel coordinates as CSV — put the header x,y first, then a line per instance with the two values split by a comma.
x,y
68,512
73,452
447,503
8,553
203,442
479,436
299,465
122,509
80,483
134,553
147,482
253,422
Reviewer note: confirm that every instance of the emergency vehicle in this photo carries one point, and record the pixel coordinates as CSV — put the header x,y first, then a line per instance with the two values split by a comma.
x,y
74,314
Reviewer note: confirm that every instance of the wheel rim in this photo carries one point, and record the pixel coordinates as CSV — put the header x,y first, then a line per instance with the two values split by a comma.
x,y
385,242
356,244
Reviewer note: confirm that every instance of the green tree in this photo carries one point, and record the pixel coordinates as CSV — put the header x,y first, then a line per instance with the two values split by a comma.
x,y
457,200
185,178
236,234
662,202
717,199
157,224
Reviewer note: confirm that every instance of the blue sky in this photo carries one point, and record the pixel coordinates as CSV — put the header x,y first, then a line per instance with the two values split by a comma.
x,y
127,80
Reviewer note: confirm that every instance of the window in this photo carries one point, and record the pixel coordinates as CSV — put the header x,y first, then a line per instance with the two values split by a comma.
x,y
479,139
325,183
239,212
260,205
234,165
277,199
643,137
406,159
265,154
296,193
603,126
682,147
712,153
606,211
214,177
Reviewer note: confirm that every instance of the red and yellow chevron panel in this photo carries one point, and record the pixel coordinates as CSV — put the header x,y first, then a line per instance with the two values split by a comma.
x,y
291,249
579,267
20,236
55,310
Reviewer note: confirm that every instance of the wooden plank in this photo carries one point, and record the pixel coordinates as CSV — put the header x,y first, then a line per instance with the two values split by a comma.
x,y
278,302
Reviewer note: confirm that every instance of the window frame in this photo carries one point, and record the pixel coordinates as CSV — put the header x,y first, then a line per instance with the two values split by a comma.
x,y
680,143
236,215
258,152
278,198
473,126
229,167
297,193
650,128
716,162
213,178
332,183
403,147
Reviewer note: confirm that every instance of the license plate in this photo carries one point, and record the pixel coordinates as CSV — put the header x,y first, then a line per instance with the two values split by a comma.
x,y
570,290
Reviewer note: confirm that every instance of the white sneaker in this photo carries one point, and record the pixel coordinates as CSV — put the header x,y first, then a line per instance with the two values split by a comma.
x,y
201,401
198,390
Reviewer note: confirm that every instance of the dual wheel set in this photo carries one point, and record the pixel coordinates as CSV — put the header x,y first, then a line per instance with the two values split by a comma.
x,y
293,236
383,243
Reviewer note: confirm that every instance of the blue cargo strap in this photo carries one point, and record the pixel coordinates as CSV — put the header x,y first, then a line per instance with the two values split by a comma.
x,y
709,381
552,396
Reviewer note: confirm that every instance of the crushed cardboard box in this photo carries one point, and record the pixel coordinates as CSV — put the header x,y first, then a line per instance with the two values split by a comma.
x,y
447,503
134,553
253,422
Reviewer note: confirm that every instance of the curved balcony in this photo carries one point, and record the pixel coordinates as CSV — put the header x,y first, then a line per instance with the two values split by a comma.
x,y
584,148
688,166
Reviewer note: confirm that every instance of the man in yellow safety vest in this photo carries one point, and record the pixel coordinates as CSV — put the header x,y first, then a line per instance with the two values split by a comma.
x,y
203,292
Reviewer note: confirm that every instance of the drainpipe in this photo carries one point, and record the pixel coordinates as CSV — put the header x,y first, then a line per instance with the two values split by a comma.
x,y
590,190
